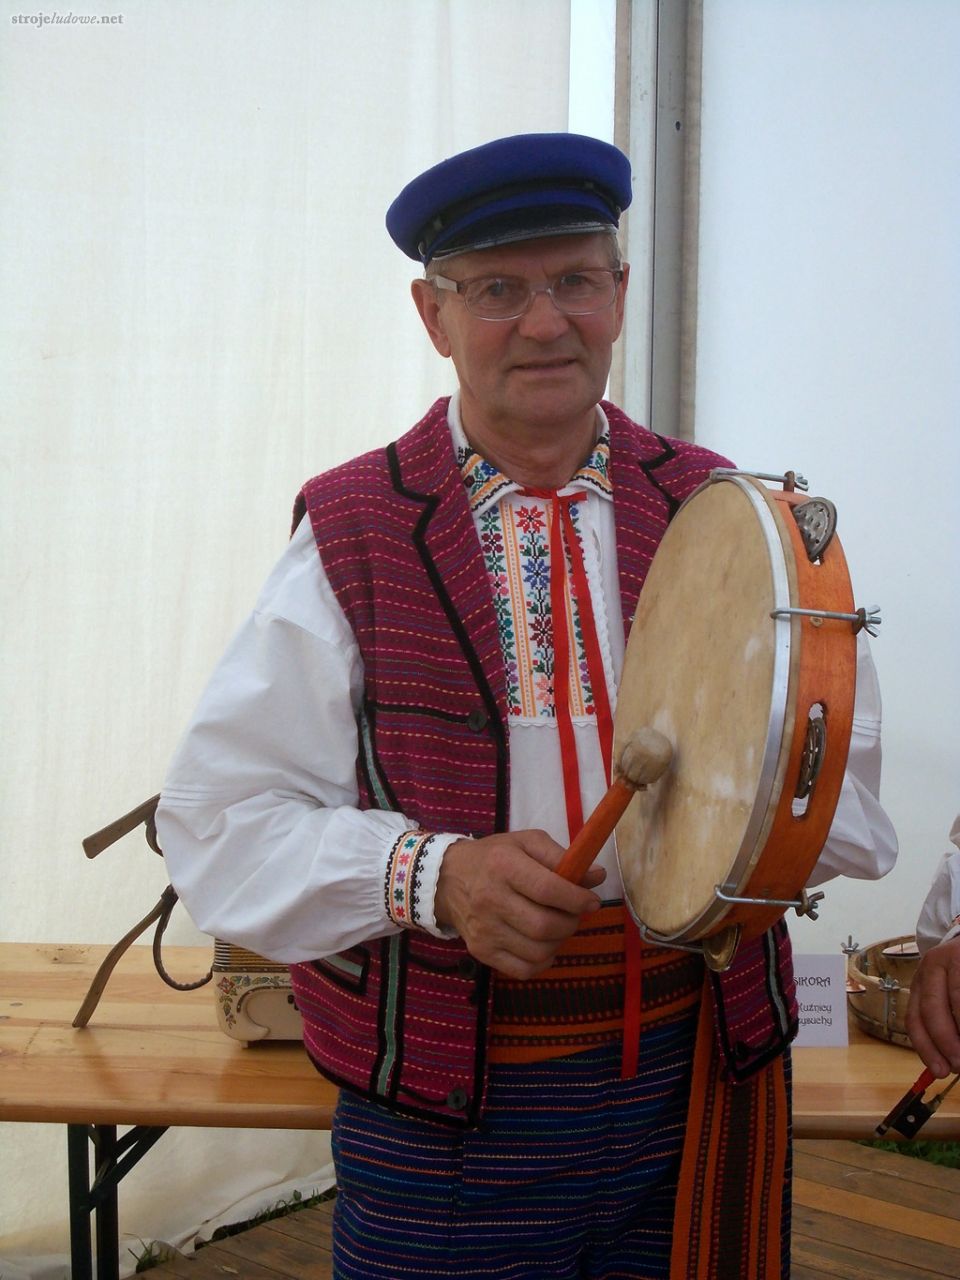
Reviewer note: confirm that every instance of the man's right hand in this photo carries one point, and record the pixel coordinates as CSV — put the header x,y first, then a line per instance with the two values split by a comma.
x,y
505,901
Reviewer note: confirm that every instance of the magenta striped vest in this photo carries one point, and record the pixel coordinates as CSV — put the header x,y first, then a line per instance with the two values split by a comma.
x,y
403,1019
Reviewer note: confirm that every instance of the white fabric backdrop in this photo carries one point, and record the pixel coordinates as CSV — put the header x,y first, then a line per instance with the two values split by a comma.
x,y
201,309
828,341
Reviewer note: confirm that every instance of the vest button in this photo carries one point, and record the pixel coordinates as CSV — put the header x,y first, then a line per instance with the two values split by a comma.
x,y
457,1099
477,720
467,967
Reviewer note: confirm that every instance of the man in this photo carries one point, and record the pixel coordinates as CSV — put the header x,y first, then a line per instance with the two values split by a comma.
x,y
933,1013
394,753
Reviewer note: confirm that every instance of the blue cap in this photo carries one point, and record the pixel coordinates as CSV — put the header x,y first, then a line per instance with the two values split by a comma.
x,y
517,188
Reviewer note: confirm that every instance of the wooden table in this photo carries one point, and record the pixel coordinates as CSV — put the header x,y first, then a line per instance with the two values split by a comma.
x,y
154,1057
150,1058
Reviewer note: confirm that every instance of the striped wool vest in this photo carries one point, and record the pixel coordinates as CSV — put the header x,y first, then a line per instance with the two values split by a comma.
x,y
403,1019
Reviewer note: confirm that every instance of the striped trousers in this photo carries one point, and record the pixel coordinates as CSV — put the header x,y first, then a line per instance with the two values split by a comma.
x,y
571,1174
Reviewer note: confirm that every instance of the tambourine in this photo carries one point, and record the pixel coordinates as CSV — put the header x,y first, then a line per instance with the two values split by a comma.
x,y
741,669
878,986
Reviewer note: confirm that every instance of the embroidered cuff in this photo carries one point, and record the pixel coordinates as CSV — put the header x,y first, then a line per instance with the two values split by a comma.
x,y
413,865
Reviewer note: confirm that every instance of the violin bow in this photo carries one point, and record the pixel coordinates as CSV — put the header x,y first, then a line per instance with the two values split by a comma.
x,y
912,1112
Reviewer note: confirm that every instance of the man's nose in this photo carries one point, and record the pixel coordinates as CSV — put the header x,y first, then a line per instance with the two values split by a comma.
x,y
543,319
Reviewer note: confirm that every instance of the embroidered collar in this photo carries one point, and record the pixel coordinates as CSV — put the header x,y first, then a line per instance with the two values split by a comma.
x,y
486,485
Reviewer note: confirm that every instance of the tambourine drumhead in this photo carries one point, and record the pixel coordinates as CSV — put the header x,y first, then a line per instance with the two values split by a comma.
x,y
700,668
708,667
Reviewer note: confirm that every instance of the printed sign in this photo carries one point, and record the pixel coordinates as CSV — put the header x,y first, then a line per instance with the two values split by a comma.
x,y
822,997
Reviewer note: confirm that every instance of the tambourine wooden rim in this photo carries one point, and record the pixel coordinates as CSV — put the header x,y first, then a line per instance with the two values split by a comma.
x,y
769,841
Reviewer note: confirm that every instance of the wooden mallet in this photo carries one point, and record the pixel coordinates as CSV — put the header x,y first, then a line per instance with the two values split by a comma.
x,y
645,756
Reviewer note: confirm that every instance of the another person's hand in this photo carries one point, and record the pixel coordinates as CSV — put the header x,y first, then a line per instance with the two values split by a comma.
x,y
933,1012
507,904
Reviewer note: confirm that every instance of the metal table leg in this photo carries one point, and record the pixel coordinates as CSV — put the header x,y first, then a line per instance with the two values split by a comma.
x,y
78,1173
115,1157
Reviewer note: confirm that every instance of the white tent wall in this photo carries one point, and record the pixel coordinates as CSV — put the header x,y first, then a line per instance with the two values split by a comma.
x,y
201,309
829,342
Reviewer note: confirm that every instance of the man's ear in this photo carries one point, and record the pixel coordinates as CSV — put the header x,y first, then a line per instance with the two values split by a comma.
x,y
427,302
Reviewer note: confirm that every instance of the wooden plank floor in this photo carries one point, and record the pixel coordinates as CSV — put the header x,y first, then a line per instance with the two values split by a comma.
x,y
863,1214
858,1214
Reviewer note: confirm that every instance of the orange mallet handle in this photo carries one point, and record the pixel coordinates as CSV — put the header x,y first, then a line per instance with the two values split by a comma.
x,y
595,832
646,754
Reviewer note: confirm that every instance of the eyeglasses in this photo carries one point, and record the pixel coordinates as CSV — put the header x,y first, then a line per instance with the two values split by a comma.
x,y
575,293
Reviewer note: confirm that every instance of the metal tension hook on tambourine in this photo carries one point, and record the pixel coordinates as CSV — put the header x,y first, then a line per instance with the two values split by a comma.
x,y
718,949
817,521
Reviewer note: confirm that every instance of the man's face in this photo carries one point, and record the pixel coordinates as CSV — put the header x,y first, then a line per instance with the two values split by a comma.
x,y
543,369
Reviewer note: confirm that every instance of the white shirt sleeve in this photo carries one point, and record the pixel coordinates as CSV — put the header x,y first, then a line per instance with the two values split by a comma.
x,y
258,817
940,914
862,843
